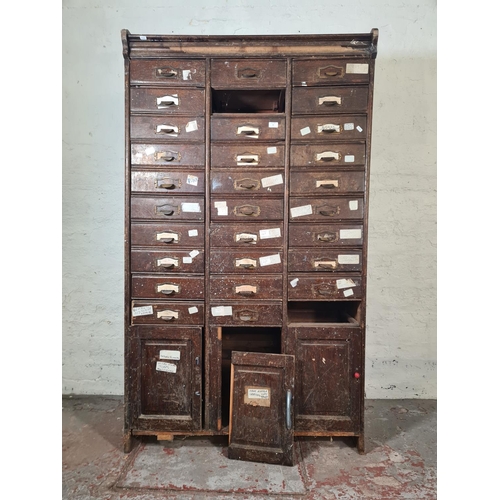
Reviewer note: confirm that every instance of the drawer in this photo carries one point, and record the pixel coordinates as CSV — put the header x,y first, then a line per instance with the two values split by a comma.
x,y
329,127
324,183
330,71
324,260
246,208
168,101
172,287
172,207
145,312
247,181
247,314
248,155
247,128
246,262
170,181
249,73
325,235
323,209
172,128
175,72
165,235
328,155
249,235
328,100
246,288
161,155
303,287
177,261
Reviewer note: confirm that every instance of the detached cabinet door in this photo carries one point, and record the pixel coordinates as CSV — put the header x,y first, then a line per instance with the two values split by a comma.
x,y
261,408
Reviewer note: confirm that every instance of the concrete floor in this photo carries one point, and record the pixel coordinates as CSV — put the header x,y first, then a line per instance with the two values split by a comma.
x,y
400,460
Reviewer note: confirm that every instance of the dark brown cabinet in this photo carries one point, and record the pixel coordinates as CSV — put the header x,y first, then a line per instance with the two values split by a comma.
x,y
246,200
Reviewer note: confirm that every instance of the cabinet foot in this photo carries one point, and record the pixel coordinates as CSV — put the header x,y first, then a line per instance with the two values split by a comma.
x,y
360,444
129,442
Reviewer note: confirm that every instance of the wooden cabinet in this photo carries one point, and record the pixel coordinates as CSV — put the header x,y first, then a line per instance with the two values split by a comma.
x,y
246,200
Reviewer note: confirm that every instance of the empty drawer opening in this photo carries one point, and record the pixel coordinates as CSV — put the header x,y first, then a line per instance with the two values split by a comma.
x,y
244,339
248,101
324,312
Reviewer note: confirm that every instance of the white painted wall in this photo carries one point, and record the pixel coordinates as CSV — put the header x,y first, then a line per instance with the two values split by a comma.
x,y
401,316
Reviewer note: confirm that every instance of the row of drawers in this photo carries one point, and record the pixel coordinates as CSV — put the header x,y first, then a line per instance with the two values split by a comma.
x,y
248,72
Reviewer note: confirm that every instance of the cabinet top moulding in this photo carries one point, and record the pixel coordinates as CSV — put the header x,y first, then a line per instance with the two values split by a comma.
x,y
362,45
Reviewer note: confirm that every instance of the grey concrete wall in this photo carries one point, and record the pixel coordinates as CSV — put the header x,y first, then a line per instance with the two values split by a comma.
x,y
401,315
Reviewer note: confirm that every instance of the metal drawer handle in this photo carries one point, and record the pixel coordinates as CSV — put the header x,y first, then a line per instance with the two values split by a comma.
x,y
167,100
246,290
329,211
247,184
168,183
327,237
246,263
167,315
247,210
167,156
248,73
167,237
327,156
325,265
167,262
247,159
166,72
327,184
330,100
328,128
171,130
167,210
288,409
248,130
247,315
246,238
168,289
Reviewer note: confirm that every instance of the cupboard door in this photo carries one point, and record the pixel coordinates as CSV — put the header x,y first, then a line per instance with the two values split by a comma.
x,y
261,408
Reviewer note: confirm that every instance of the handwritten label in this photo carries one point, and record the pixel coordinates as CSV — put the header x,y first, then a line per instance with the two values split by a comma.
x,y
350,234
348,293
142,311
172,355
191,207
187,260
192,180
193,232
348,259
272,150
305,131
359,129
301,211
349,158
222,311
270,260
345,283
270,233
353,205
192,310
273,180
348,126
273,124
163,366
357,68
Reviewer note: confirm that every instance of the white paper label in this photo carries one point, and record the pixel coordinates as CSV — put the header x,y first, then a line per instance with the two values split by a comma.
x,y
300,211
258,393
349,158
187,260
270,233
173,355
163,366
142,311
270,260
359,129
142,37
304,84
193,232
222,311
305,131
246,236
273,180
192,126
345,283
353,205
348,293
348,259
350,234
192,310
219,204
273,124
358,68
348,126
294,282
191,207
150,150
194,253
192,180
186,74
222,211
272,150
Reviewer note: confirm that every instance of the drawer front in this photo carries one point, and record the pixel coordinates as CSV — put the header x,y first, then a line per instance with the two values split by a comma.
x,y
168,261
324,183
324,209
329,100
330,71
328,155
324,261
172,287
145,312
246,209
246,262
248,73
247,181
165,181
247,128
324,288
168,101
329,127
248,155
161,155
175,72
245,288
244,314
325,235
171,128
168,235
249,235
165,208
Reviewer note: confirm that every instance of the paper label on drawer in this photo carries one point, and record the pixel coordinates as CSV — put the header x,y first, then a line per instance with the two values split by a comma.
x,y
305,131
192,180
269,260
193,232
270,233
257,396
222,311
359,129
222,210
272,150
348,126
194,253
345,283
353,205
348,293
186,74
350,234
150,150
258,393
358,68
273,180
273,124
191,126
220,204
300,211
142,311
349,158
294,282
173,355
191,207
187,260
348,259
192,310
163,366
142,37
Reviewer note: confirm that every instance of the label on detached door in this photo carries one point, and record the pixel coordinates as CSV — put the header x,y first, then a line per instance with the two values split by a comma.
x,y
257,396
